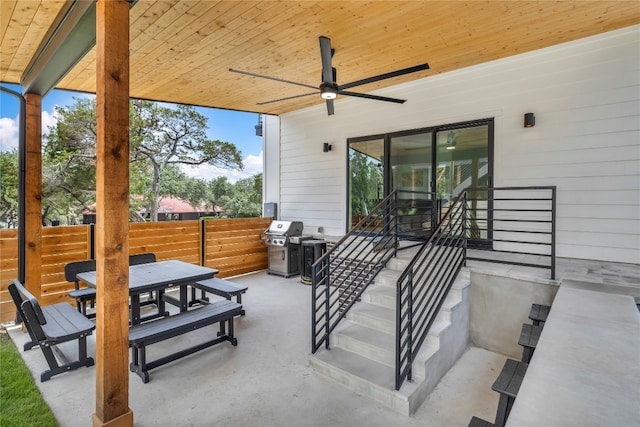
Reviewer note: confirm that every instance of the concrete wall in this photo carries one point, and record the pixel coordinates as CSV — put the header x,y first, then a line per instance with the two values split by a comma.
x,y
586,98
499,307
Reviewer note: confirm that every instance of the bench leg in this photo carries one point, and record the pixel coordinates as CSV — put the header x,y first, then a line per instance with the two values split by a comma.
x,y
239,301
504,408
55,368
139,363
527,354
232,338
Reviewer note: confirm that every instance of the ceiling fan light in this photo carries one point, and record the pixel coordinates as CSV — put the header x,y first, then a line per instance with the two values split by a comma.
x,y
328,92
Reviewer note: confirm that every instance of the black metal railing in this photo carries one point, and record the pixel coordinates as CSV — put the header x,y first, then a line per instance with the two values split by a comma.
x,y
513,225
424,284
341,275
488,219
344,272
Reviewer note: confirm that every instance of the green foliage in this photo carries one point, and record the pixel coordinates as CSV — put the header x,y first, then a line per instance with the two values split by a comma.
x,y
20,401
9,188
244,198
366,183
161,138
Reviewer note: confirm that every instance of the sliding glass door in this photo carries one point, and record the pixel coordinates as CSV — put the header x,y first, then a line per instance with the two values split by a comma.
x,y
429,168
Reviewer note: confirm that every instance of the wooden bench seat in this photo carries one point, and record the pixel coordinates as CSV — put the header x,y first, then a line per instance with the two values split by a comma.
x,y
529,336
222,288
539,313
142,335
507,385
479,422
52,325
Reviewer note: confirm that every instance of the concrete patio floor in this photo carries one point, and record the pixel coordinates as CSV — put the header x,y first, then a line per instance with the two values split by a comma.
x,y
266,380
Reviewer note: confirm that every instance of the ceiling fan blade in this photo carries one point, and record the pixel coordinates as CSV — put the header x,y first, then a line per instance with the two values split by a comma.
x,y
287,98
271,78
386,76
375,97
326,54
330,107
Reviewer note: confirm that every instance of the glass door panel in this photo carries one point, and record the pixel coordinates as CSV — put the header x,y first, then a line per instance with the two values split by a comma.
x,y
463,161
366,173
411,164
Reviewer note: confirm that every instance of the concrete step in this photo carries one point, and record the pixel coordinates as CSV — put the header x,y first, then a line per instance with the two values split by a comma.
x,y
362,355
366,342
374,317
361,375
381,295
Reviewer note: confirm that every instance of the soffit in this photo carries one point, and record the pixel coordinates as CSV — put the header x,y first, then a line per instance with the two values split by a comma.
x,y
181,51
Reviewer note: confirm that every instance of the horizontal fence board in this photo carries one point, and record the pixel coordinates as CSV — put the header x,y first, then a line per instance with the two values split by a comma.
x,y
233,245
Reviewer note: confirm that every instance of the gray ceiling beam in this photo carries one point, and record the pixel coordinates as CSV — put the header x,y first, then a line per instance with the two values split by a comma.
x,y
70,37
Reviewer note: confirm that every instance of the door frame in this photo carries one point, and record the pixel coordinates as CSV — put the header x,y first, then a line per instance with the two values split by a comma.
x,y
434,130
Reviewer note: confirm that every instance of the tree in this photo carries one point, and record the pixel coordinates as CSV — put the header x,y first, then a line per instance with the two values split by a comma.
x,y
9,188
245,200
366,182
167,136
160,137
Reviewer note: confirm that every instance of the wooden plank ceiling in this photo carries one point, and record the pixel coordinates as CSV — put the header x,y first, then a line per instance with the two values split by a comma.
x,y
181,51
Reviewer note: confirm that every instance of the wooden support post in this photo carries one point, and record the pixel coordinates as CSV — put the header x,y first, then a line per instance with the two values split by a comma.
x,y
33,194
112,214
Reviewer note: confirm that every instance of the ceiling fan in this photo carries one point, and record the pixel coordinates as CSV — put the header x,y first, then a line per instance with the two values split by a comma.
x,y
329,88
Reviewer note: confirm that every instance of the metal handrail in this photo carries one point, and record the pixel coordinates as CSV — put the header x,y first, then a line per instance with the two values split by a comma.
x,y
342,273
424,285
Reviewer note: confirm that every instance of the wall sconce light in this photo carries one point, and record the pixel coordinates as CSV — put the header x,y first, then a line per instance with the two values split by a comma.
x,y
326,147
529,120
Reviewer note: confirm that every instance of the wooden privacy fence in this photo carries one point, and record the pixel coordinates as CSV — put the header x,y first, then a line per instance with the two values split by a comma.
x,y
232,246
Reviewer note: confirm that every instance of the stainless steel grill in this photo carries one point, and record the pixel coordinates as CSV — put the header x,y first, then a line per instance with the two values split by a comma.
x,y
284,252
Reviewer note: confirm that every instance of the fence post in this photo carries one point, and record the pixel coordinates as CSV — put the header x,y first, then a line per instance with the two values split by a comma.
x,y
203,241
92,241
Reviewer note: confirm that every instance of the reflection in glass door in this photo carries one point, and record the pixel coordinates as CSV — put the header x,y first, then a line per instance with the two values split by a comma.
x,y
463,162
411,164
428,168
366,173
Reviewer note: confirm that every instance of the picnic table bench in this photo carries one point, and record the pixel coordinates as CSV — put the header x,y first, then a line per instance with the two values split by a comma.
x,y
222,288
142,335
507,385
529,336
52,325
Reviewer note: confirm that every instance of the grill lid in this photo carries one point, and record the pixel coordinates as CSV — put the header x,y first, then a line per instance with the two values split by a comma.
x,y
284,228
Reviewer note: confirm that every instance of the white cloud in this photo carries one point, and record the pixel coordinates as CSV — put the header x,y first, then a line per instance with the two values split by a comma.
x,y
8,133
252,166
9,129
49,120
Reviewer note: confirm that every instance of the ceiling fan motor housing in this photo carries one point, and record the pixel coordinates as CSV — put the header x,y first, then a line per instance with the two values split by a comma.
x,y
328,92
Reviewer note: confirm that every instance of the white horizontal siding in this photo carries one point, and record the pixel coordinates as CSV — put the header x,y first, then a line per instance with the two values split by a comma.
x,y
586,98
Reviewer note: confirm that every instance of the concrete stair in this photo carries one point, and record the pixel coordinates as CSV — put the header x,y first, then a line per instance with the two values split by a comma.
x,y
362,353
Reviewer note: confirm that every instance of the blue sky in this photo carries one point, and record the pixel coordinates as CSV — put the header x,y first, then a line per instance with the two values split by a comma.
x,y
224,125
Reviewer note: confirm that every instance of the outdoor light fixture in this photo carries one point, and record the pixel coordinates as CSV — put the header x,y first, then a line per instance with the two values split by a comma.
x,y
452,138
326,147
328,92
529,120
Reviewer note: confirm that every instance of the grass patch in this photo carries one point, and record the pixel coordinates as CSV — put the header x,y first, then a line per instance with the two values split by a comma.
x,y
20,401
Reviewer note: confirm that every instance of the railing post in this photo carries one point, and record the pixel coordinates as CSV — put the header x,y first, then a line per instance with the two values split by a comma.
x,y
553,233
326,312
410,326
464,228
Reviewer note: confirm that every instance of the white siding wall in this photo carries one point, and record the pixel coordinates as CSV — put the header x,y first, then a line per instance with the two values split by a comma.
x,y
586,98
